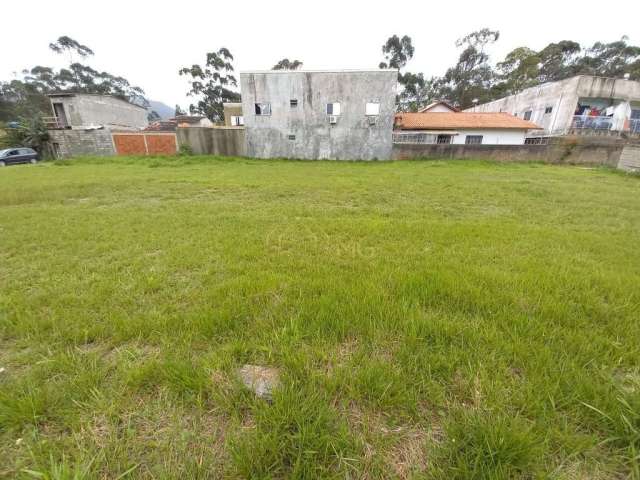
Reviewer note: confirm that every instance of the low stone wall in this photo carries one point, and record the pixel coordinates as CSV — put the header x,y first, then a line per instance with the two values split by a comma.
x,y
71,143
566,150
630,158
228,141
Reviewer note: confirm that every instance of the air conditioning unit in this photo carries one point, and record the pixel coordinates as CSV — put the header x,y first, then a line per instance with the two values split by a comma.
x,y
372,120
333,119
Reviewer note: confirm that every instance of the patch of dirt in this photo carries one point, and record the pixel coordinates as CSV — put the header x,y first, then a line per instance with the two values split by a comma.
x,y
404,448
581,470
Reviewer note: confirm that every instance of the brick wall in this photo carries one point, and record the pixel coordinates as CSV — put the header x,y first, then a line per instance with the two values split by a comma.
x,y
145,143
129,144
161,144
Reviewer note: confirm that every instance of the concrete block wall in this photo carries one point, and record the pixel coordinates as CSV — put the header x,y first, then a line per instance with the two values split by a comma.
x,y
574,151
71,143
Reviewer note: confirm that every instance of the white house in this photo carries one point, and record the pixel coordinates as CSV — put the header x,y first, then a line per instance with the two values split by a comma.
x,y
437,125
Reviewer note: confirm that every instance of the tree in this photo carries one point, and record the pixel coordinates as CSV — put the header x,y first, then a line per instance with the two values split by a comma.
x,y
212,84
520,69
558,60
69,46
26,96
397,52
19,99
610,59
471,79
416,91
153,116
286,64
179,111
30,132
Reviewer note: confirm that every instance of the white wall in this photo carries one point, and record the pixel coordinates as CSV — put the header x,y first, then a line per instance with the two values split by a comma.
x,y
492,136
439,108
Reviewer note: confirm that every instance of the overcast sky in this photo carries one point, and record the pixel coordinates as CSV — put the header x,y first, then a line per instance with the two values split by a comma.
x,y
147,42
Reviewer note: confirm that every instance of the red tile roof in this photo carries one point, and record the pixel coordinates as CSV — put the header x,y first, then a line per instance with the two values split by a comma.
x,y
461,120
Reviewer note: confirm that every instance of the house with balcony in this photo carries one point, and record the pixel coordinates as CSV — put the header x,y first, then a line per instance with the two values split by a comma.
x,y
83,111
581,105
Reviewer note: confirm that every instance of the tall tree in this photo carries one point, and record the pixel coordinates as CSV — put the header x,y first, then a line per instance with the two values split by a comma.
x,y
610,59
397,52
70,46
286,64
212,84
471,79
26,96
520,69
557,60
416,91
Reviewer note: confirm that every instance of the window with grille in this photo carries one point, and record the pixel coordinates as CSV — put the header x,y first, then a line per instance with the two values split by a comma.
x,y
443,139
473,140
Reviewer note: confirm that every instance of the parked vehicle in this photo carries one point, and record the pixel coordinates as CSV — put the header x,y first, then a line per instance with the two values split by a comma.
x,y
18,155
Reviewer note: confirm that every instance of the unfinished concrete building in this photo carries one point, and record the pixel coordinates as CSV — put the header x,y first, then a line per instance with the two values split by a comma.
x,y
86,110
319,115
577,105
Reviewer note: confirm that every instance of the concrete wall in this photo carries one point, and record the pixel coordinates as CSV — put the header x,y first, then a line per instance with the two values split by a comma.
x,y
579,151
214,141
71,143
352,138
563,97
84,110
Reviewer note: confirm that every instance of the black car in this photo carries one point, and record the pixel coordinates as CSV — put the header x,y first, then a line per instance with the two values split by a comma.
x,y
18,155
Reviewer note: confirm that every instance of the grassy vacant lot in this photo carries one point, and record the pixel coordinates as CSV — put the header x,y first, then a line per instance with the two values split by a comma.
x,y
435,320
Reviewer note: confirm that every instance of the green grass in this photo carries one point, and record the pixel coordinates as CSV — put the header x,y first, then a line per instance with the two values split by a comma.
x,y
437,320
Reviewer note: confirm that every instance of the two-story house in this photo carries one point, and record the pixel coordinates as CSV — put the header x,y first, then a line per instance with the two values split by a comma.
x,y
87,110
345,114
582,104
